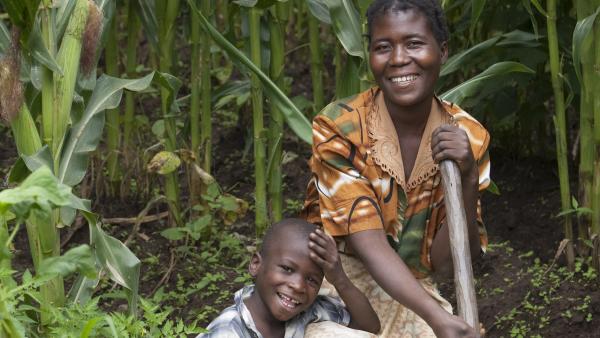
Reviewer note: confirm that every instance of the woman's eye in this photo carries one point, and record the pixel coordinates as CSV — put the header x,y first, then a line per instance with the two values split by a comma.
x,y
312,280
414,44
381,48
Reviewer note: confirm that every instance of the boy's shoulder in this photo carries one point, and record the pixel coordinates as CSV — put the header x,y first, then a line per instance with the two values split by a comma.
x,y
230,323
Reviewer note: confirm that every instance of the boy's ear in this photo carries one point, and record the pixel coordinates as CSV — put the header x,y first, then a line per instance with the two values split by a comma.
x,y
255,263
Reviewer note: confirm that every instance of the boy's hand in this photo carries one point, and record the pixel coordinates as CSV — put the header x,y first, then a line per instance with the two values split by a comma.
x,y
323,252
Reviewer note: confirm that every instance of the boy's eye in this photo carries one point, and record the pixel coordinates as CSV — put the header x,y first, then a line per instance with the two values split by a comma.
x,y
313,281
285,268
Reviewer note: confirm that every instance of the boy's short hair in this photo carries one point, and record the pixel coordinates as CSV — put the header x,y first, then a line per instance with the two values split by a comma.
x,y
295,226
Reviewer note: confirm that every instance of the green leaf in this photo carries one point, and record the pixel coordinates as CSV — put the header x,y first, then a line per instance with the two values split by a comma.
x,y
18,172
40,189
174,234
78,259
43,158
255,3
581,32
476,83
164,163
22,14
121,264
458,60
147,16
86,133
40,52
293,116
320,10
347,26
477,7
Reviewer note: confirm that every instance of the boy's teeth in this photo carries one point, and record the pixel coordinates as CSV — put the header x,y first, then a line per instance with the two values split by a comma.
x,y
404,78
289,302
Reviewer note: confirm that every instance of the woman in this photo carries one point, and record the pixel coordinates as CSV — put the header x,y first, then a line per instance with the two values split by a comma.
x,y
376,183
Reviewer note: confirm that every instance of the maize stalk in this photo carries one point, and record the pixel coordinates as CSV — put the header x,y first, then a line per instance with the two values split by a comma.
x,y
167,12
260,192
133,27
560,126
113,130
316,62
277,27
64,84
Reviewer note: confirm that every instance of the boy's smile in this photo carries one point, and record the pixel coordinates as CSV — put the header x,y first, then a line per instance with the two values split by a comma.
x,y
405,58
287,280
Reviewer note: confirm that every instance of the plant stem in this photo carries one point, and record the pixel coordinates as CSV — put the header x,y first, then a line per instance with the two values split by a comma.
x,y
133,28
64,84
111,60
258,125
560,127
166,12
316,63
586,140
47,27
593,90
276,27
206,118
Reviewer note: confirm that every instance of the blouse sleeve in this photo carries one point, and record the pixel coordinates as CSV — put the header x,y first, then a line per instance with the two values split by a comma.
x,y
347,200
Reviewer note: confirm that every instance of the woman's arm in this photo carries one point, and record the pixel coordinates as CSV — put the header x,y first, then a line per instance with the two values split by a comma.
x,y
452,143
323,251
393,276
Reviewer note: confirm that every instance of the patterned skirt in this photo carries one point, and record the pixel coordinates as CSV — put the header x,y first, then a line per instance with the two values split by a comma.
x,y
397,321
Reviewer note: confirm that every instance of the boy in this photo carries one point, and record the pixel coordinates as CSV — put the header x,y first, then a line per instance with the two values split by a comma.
x,y
288,272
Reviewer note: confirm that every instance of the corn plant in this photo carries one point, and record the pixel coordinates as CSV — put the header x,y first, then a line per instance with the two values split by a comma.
x,y
586,58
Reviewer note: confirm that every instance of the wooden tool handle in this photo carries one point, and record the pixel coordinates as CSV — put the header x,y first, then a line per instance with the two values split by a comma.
x,y
459,244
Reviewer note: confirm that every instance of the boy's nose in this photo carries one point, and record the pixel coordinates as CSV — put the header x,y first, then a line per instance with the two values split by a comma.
x,y
297,283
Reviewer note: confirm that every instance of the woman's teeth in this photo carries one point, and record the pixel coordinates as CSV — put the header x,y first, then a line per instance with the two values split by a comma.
x,y
405,78
287,301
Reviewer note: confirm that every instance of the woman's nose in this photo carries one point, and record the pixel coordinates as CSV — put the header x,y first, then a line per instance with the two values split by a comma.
x,y
399,56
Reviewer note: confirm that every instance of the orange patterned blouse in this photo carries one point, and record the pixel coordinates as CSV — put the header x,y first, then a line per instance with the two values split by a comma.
x,y
358,180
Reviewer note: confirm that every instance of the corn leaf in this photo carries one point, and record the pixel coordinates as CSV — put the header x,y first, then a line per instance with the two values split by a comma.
x,y
477,7
262,4
319,10
119,262
63,13
86,133
78,259
457,61
470,87
40,52
145,10
293,116
22,14
581,32
4,37
346,25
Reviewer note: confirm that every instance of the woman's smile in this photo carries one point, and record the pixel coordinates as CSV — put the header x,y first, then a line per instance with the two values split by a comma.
x,y
405,59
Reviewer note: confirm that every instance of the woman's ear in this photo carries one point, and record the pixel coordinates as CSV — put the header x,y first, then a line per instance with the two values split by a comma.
x,y
444,50
254,265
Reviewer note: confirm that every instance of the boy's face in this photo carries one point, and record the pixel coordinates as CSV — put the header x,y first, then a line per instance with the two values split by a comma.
x,y
287,280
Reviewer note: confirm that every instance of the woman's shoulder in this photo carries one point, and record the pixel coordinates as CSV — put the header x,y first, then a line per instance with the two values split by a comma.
x,y
347,116
466,121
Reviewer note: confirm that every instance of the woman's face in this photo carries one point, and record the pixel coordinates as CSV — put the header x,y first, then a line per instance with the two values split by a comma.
x,y
405,57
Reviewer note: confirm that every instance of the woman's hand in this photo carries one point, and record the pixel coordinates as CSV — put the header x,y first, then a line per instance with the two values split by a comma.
x,y
453,326
452,143
323,252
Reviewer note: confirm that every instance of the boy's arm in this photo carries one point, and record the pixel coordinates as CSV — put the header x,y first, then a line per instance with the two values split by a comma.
x,y
324,252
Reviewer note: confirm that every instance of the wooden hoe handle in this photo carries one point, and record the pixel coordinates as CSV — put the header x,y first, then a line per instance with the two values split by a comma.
x,y
459,244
